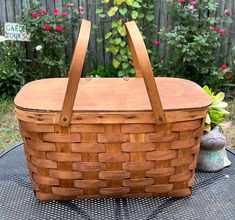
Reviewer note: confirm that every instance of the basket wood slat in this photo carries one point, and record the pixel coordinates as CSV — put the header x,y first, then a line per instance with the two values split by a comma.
x,y
77,154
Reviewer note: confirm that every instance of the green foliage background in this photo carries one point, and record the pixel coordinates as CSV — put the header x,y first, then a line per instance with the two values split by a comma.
x,y
193,47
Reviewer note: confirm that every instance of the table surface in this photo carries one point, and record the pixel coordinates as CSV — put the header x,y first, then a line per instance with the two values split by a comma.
x,y
213,198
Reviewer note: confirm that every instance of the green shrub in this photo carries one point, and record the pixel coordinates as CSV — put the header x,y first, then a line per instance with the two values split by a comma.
x,y
195,37
102,71
121,11
11,68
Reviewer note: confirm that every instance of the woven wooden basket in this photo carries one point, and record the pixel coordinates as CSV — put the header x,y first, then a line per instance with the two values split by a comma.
x,y
115,138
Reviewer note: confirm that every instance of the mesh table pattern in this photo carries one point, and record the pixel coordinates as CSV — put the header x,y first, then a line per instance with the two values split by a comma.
x,y
213,198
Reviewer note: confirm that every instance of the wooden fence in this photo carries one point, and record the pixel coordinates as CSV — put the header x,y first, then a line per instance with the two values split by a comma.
x,y
11,11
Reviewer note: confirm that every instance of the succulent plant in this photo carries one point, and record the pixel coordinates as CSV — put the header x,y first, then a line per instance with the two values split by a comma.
x,y
216,113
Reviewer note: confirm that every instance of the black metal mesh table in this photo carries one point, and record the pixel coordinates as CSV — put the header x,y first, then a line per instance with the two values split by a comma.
x,y
213,198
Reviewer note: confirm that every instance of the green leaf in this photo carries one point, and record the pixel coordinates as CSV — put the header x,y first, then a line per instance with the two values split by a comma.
x,y
224,112
129,2
207,90
123,11
220,105
216,116
119,2
114,50
132,71
111,41
120,22
125,65
120,73
122,52
105,1
99,10
108,35
116,63
134,14
150,17
141,15
151,6
102,15
122,30
208,119
123,44
136,5
117,41
114,24
112,11
107,49
218,98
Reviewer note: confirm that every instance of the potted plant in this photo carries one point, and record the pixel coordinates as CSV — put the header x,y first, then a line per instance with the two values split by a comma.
x,y
212,155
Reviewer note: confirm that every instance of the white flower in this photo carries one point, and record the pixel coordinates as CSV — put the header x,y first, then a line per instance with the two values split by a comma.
x,y
39,47
2,38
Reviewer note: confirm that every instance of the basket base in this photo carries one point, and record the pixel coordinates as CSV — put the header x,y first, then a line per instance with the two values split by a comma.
x,y
43,197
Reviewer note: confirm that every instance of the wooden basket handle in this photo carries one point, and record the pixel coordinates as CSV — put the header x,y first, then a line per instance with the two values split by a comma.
x,y
75,72
143,68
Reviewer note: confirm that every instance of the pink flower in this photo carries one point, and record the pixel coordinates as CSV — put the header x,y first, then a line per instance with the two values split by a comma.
x,y
221,31
35,15
47,27
81,10
156,43
59,28
55,11
191,7
182,1
43,11
213,28
227,12
64,14
224,67
192,3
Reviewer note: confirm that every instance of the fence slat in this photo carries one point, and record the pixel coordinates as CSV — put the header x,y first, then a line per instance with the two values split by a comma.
x,y
50,5
10,10
18,12
99,34
3,15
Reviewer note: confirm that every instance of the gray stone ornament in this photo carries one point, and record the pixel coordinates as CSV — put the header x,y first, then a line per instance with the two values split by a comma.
x,y
212,156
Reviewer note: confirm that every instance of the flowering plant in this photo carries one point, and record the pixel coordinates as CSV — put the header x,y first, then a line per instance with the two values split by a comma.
x,y
195,38
50,31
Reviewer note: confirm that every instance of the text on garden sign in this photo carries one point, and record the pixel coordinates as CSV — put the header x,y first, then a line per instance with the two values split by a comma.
x,y
16,32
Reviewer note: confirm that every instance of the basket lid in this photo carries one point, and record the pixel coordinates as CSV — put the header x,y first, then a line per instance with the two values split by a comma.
x,y
111,94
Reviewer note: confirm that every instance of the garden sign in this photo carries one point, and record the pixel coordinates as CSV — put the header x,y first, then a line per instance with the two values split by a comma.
x,y
16,32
